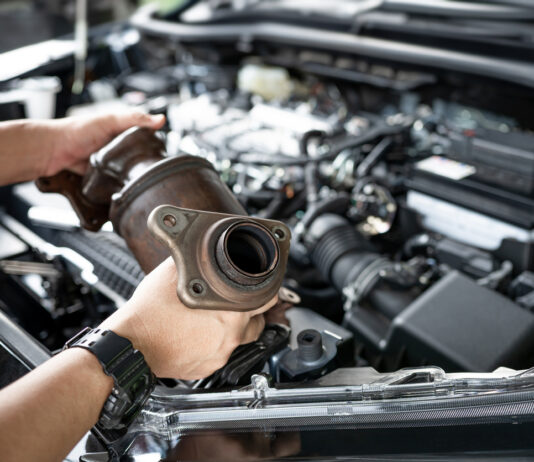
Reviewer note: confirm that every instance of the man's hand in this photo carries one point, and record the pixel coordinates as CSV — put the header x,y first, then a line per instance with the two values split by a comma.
x,y
44,413
47,411
177,341
76,138
33,148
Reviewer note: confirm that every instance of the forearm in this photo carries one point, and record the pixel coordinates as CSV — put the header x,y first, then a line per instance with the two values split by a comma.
x,y
44,414
26,149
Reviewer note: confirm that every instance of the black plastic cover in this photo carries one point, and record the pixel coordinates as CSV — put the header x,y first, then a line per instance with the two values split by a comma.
x,y
459,325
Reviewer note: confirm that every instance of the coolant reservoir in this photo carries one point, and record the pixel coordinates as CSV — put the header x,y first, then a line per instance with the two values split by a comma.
x,y
268,82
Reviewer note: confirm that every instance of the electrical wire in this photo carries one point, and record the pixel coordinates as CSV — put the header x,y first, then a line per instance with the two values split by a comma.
x,y
334,149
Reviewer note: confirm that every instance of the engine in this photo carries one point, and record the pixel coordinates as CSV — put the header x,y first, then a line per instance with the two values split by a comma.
x,y
411,219
410,224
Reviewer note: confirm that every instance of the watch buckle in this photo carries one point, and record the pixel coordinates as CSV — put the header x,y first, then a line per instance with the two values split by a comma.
x,y
77,337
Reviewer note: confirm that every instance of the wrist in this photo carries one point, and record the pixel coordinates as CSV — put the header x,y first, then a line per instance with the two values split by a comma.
x,y
90,365
127,324
89,372
133,380
53,131
43,144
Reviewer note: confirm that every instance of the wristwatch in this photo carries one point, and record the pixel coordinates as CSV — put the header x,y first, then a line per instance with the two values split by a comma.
x,y
133,378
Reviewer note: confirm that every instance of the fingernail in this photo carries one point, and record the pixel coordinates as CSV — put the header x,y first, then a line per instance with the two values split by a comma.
x,y
158,117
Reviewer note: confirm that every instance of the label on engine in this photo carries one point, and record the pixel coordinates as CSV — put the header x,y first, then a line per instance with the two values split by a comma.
x,y
462,224
446,167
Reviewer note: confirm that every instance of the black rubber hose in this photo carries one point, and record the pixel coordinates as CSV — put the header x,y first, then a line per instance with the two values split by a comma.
x,y
517,3
335,148
343,255
337,250
373,157
460,10
337,204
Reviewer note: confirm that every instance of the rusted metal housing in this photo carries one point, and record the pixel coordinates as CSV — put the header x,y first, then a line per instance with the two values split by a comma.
x,y
234,256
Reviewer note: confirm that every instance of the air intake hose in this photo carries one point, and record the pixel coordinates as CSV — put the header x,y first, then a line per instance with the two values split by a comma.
x,y
353,265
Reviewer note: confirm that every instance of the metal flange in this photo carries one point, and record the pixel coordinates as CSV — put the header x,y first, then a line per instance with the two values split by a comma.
x,y
224,262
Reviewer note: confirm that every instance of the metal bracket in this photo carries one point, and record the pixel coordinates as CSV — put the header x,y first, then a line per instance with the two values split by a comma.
x,y
224,262
261,386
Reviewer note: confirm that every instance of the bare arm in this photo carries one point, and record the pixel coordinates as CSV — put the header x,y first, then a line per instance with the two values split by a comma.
x,y
33,148
45,413
25,148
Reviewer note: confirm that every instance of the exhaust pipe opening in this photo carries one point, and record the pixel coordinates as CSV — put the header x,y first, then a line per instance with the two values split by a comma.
x,y
247,253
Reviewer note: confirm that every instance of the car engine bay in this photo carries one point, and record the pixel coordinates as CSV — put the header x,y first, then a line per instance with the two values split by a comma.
x,y
408,194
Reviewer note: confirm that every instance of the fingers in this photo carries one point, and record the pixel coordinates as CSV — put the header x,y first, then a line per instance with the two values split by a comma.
x,y
277,314
135,118
79,167
257,322
253,329
264,308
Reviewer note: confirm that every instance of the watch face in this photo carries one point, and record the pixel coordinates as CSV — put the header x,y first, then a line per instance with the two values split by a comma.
x,y
139,392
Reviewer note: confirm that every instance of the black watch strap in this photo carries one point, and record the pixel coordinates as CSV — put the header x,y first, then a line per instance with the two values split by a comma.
x,y
133,378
